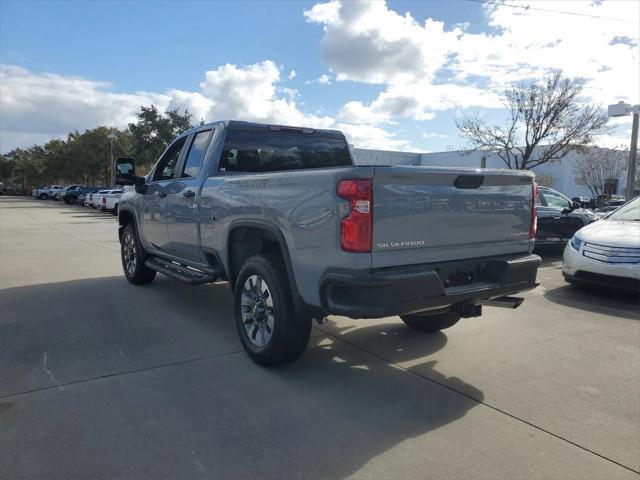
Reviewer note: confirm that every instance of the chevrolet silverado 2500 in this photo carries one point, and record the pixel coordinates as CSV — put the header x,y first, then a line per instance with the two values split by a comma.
x,y
300,232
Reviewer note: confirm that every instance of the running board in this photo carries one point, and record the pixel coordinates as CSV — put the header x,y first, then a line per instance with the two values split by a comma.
x,y
180,272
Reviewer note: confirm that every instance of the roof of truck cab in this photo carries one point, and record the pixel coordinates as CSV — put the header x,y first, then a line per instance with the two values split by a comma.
x,y
264,127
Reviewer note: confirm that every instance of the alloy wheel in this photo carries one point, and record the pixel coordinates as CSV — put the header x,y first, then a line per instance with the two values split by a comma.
x,y
257,310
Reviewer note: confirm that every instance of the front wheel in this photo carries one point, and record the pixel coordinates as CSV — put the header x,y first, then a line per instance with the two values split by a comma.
x,y
269,330
133,258
43,196
431,322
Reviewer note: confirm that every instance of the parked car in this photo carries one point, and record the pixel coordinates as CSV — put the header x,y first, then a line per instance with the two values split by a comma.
x,y
584,202
53,192
300,232
97,197
44,193
69,193
109,201
36,192
73,193
559,218
91,196
607,253
82,197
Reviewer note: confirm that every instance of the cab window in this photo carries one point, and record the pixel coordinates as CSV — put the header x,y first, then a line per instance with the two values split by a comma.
x,y
167,165
196,154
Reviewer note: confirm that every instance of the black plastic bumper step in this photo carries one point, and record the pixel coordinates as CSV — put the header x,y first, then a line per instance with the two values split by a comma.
x,y
180,272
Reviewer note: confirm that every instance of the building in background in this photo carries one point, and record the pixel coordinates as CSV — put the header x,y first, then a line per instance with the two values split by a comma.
x,y
559,172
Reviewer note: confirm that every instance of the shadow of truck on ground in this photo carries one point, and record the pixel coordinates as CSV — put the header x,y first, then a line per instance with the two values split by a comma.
x,y
151,382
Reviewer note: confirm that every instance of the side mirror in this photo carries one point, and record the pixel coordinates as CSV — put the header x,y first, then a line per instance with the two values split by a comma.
x,y
125,171
140,184
576,204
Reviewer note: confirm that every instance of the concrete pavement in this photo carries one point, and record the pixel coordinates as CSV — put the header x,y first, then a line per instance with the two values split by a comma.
x,y
101,379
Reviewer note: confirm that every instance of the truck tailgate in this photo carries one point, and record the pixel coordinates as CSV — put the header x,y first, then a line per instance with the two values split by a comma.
x,y
432,214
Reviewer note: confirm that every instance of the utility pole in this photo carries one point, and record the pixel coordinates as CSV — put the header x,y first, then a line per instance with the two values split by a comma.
x,y
112,170
622,109
633,153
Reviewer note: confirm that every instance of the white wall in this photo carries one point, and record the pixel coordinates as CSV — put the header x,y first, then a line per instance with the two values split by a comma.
x,y
363,156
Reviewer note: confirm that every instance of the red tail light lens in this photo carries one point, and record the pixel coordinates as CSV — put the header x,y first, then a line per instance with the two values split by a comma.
x,y
356,228
534,211
104,200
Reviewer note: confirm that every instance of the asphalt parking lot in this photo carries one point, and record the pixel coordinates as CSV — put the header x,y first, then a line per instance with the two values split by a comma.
x,y
101,379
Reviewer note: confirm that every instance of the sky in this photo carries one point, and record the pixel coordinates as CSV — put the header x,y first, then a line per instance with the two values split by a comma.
x,y
392,75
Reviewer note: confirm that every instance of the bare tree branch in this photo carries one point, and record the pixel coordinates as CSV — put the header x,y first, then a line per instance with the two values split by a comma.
x,y
548,120
599,164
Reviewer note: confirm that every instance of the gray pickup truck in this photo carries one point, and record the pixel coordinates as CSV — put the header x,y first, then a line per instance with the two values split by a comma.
x,y
300,232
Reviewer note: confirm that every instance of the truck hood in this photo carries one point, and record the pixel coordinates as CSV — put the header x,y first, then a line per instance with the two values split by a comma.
x,y
612,233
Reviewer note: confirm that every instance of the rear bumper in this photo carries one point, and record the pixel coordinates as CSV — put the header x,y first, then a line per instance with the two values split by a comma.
x,y
403,290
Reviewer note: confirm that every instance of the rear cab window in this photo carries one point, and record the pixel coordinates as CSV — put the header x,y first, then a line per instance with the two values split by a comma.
x,y
277,149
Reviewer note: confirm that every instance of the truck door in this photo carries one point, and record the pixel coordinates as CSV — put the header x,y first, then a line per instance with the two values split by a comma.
x,y
182,200
154,224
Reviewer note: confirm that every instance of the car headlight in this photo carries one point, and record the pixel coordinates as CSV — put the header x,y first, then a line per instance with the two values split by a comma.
x,y
575,243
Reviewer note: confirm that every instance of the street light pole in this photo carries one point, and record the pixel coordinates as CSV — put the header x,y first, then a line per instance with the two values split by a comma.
x,y
633,153
112,169
622,109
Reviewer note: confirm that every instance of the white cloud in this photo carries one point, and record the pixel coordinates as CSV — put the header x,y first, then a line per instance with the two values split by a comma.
x,y
369,136
418,101
292,75
54,104
323,79
433,135
35,107
368,42
428,69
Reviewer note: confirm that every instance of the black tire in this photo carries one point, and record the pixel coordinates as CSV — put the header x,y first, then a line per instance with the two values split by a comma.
x,y
288,334
43,196
431,322
133,258
114,210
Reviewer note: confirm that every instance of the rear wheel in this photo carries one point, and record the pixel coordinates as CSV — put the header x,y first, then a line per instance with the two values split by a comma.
x,y
269,330
114,211
133,258
43,196
431,322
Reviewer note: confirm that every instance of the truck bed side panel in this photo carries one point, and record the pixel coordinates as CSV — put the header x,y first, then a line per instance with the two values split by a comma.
x,y
302,204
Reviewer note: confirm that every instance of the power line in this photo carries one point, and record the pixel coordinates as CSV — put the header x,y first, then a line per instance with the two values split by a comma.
x,y
547,10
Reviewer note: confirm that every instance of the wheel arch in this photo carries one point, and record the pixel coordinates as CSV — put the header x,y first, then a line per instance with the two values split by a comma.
x,y
126,217
251,237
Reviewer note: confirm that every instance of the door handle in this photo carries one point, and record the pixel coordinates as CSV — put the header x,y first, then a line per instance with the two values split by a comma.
x,y
189,194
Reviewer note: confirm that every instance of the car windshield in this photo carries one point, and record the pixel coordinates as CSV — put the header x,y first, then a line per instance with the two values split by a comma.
x,y
628,212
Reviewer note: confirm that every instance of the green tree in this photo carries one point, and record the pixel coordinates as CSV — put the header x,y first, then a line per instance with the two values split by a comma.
x,y
7,166
153,132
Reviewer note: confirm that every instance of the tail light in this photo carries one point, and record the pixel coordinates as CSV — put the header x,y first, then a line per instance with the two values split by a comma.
x,y
534,211
104,200
355,228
